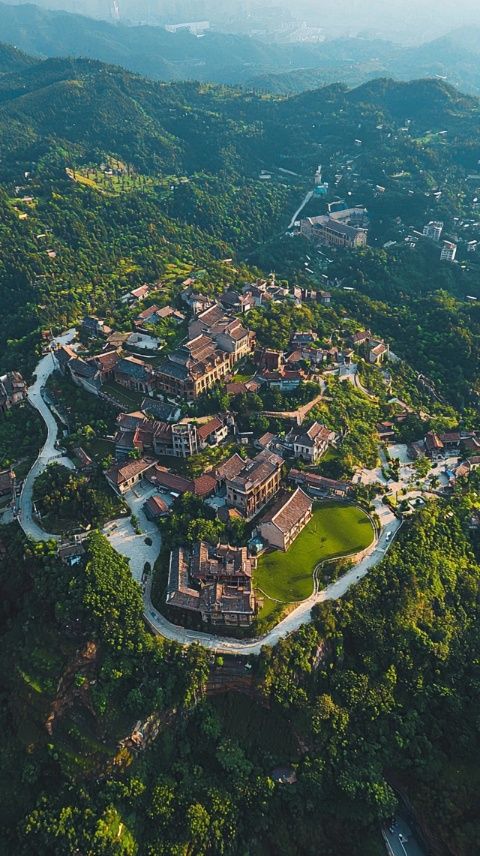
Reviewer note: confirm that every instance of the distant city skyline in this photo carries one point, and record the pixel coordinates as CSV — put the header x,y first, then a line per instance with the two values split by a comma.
x,y
407,21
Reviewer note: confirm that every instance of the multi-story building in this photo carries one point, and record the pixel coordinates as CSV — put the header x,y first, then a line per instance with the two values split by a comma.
x,y
255,484
213,582
378,351
449,251
184,440
346,228
193,368
135,374
310,444
433,230
229,334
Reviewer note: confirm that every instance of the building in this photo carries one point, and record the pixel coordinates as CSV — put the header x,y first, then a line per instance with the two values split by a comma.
x,y
169,482
255,484
105,364
360,337
193,368
321,486
184,440
85,374
434,447
13,390
346,228
72,554
449,251
212,433
137,432
311,444
62,356
94,328
155,508
229,334
281,525
123,477
196,302
285,378
135,374
213,582
235,302
433,230
229,469
162,410
155,315
378,352
7,483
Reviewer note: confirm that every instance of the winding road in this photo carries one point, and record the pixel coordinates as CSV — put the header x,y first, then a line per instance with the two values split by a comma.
x,y
49,452
123,538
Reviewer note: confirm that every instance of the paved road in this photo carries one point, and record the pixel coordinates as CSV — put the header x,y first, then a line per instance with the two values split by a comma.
x,y
293,621
401,841
122,536
49,452
300,209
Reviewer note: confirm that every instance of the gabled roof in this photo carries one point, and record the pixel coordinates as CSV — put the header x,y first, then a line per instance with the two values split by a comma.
x,y
230,468
121,473
157,506
314,436
204,431
289,510
133,368
204,485
257,471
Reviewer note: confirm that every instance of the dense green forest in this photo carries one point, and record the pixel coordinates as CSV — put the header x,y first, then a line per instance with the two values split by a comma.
x,y
378,694
189,195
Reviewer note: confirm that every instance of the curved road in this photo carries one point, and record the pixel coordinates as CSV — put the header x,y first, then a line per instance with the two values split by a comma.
x,y
122,536
49,452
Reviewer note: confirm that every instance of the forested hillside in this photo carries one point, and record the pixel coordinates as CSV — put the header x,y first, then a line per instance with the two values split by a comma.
x,y
380,692
119,743
189,190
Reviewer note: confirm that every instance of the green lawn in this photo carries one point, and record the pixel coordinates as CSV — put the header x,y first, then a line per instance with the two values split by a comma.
x,y
334,530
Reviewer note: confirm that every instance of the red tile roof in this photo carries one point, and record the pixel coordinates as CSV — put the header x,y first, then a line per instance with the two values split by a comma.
x,y
208,428
204,485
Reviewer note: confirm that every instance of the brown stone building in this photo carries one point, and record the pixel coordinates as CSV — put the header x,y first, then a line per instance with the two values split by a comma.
x,y
255,484
213,582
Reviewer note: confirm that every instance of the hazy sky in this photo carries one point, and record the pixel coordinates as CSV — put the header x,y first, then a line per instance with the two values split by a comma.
x,y
402,20
406,16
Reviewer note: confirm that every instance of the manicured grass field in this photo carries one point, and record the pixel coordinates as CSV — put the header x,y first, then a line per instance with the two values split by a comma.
x,y
334,530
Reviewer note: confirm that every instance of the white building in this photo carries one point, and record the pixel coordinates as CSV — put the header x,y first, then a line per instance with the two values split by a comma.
x,y
433,230
449,251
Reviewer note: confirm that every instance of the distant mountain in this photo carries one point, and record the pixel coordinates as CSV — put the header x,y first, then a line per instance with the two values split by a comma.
x,y
454,57
191,157
12,59
151,51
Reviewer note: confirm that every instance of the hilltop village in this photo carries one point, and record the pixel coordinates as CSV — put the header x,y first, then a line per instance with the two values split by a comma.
x,y
235,452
